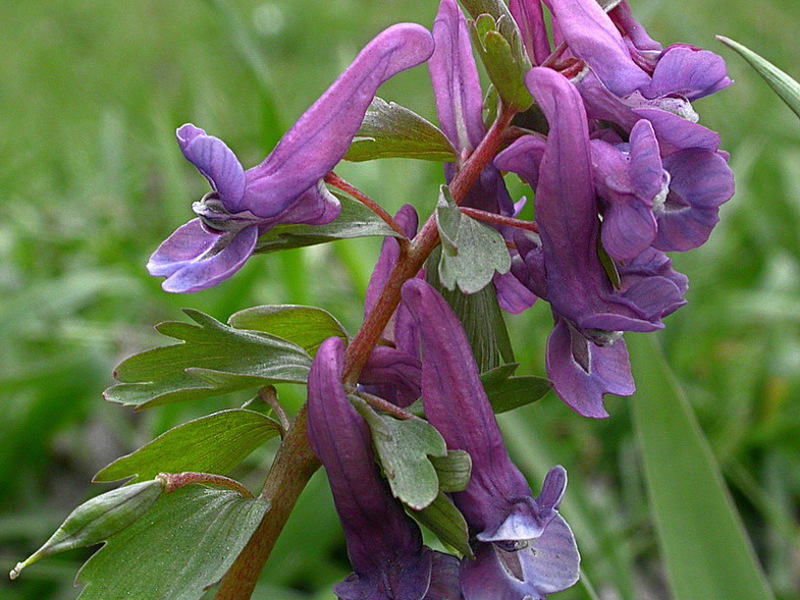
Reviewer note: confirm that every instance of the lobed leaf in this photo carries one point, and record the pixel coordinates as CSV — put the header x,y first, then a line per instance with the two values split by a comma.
x,y
212,359
403,448
212,444
705,547
188,541
98,519
392,131
305,326
355,221
471,251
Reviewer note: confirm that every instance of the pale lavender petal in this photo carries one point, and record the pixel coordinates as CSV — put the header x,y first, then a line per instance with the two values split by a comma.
x,y
675,133
689,72
530,20
216,162
194,259
549,565
512,294
582,372
594,38
456,86
322,136
523,157
383,543
701,181
628,228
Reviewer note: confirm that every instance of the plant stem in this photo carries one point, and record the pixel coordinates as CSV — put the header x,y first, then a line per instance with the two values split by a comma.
x,y
333,180
295,462
488,217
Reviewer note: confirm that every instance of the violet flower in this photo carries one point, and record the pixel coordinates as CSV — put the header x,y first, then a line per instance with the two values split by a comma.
x,y
287,187
383,543
523,547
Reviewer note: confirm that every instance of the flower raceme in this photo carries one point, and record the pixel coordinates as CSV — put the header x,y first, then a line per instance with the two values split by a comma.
x,y
523,547
287,187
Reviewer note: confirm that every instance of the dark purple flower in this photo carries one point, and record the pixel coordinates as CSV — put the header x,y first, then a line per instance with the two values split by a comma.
x,y
523,547
287,186
383,543
530,20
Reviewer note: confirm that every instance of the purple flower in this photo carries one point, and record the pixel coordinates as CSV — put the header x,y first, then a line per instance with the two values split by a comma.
x,y
287,187
383,543
522,545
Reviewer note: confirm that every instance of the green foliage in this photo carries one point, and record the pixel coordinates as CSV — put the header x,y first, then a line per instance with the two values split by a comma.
x,y
305,326
404,448
355,221
448,524
213,359
705,546
213,444
507,392
98,519
453,470
471,251
392,131
187,542
786,87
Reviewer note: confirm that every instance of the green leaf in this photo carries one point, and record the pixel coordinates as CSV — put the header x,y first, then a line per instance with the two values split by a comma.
x,y
446,521
786,87
403,448
392,131
212,444
481,317
212,360
98,519
188,541
305,326
705,547
471,251
507,393
355,221
453,470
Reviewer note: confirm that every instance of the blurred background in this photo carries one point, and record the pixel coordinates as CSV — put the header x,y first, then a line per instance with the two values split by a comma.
x,y
91,181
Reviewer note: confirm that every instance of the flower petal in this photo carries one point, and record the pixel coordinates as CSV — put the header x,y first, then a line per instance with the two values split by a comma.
x,y
582,372
594,38
194,259
456,86
322,136
216,162
383,543
530,20
689,72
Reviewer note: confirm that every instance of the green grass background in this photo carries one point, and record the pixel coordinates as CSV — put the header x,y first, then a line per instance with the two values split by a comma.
x,y
91,180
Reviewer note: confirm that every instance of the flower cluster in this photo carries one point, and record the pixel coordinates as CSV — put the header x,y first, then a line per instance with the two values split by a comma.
x,y
621,173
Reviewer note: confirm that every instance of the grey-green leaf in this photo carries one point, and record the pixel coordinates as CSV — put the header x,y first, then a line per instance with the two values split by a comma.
x,y
403,448
98,519
446,521
188,541
481,318
471,251
305,326
212,444
392,131
213,359
355,221
786,87
453,470
506,392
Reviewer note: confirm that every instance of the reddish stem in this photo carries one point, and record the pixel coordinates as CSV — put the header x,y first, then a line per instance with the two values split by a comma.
x,y
488,217
333,180
295,462
174,481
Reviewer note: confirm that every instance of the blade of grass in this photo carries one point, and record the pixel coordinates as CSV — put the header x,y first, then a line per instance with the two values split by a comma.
x,y
705,548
